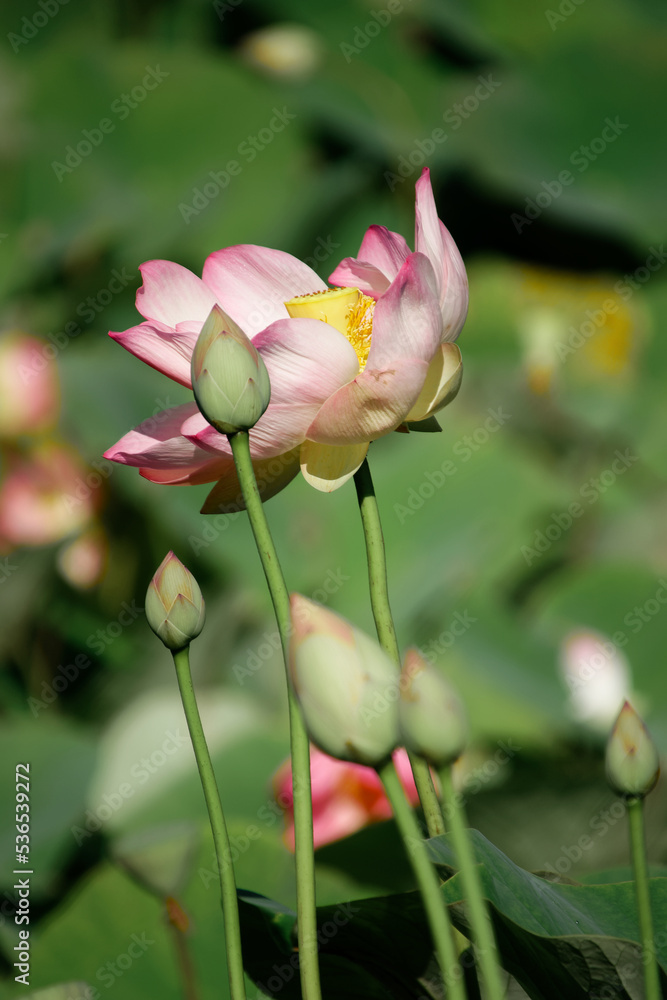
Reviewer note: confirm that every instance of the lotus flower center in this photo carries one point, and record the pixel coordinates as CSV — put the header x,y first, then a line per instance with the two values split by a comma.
x,y
347,309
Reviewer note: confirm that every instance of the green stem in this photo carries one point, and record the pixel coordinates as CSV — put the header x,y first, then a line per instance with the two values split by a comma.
x,y
300,749
485,949
223,853
427,880
384,624
638,851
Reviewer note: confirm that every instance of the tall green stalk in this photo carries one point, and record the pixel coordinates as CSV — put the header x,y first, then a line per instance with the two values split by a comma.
x,y
223,853
640,869
427,880
303,808
485,949
384,624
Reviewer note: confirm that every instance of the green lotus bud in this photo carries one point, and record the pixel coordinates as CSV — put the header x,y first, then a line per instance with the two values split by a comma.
x,y
633,766
229,378
174,605
432,719
345,684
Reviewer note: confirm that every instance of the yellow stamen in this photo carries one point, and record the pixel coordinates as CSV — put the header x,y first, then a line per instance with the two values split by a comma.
x,y
346,309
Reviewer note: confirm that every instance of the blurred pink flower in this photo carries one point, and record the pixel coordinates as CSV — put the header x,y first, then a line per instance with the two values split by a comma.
x,y
597,675
29,390
346,365
346,797
82,562
40,497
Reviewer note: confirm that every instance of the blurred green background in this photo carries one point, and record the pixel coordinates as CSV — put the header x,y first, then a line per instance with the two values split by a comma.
x,y
542,127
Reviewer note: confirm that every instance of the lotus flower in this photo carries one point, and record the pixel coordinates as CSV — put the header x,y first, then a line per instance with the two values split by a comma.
x,y
29,390
346,365
598,677
43,496
346,797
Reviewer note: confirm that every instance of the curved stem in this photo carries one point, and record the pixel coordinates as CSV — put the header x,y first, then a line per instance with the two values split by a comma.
x,y
485,949
223,853
427,880
300,749
640,868
384,624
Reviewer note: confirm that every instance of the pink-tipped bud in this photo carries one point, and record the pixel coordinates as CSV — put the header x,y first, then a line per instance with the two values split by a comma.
x,y
345,683
633,765
432,719
174,604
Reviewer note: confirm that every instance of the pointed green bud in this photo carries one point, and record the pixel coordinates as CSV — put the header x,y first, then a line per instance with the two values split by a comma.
x,y
345,683
174,605
432,719
633,765
229,378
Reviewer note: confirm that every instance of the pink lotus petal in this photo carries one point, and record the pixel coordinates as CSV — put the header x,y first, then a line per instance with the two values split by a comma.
x,y
407,320
157,443
272,475
352,273
386,250
454,301
307,361
171,294
29,389
434,240
441,384
41,496
169,351
327,467
375,403
203,471
253,283
346,797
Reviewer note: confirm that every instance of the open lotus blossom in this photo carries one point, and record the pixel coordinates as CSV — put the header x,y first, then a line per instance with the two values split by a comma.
x,y
347,365
346,797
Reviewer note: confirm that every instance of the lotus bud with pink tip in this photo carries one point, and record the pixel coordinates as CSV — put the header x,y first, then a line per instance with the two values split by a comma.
x,y
432,719
633,765
174,604
344,683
